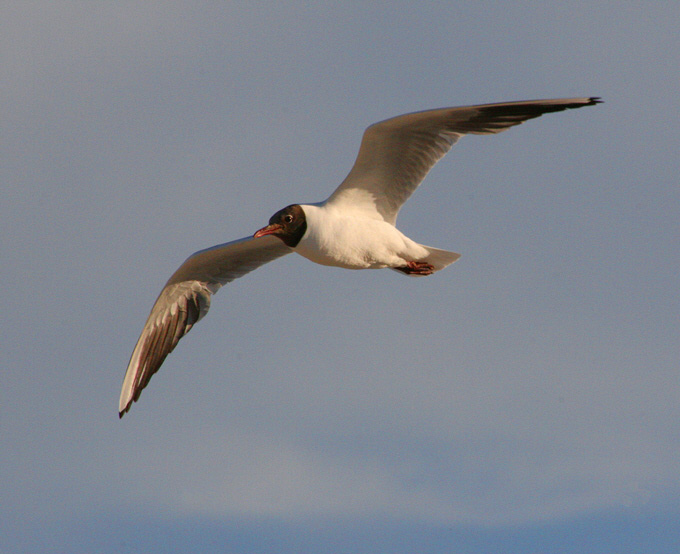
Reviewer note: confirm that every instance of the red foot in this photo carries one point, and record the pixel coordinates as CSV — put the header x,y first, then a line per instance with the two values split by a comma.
x,y
417,268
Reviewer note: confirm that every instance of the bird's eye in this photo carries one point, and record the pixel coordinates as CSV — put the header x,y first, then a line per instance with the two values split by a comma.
x,y
287,218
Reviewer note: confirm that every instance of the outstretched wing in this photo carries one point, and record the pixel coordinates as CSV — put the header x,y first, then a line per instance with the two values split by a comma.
x,y
396,154
185,299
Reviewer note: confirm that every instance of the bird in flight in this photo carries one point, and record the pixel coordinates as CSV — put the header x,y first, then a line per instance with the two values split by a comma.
x,y
354,228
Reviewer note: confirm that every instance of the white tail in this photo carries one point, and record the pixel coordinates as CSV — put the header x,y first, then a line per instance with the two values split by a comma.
x,y
440,258
437,258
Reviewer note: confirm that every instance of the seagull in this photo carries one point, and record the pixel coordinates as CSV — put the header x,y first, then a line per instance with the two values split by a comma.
x,y
355,228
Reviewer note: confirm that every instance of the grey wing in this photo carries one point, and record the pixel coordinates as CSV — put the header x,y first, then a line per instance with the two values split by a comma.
x,y
185,299
396,154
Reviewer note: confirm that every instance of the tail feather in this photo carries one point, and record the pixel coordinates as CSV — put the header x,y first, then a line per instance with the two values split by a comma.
x,y
439,258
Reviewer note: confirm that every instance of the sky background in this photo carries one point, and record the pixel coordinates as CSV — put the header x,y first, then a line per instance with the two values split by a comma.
x,y
524,400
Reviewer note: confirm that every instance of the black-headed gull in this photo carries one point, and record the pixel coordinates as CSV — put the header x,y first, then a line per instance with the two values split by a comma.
x,y
354,228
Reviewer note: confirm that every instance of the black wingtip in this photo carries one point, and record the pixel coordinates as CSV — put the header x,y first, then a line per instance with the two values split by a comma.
x,y
595,100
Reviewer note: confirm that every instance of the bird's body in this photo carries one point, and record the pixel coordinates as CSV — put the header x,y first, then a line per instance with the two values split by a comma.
x,y
355,228
353,241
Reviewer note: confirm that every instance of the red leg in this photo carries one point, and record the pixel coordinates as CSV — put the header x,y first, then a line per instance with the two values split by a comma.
x,y
417,268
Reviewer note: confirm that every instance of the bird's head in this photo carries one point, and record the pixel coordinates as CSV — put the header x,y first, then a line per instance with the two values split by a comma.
x,y
288,224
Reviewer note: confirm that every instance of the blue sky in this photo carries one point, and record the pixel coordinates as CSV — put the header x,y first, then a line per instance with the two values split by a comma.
x,y
523,400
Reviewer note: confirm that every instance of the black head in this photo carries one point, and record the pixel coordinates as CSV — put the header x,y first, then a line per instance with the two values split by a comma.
x,y
288,224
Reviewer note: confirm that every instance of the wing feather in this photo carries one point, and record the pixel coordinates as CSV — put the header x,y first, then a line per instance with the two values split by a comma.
x,y
185,299
396,154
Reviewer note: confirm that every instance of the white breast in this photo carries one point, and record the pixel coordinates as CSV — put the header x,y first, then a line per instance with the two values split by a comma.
x,y
339,239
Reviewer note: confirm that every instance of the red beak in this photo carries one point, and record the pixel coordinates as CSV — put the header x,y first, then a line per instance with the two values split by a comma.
x,y
268,230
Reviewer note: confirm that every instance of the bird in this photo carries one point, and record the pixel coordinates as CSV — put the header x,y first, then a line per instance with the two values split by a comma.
x,y
354,228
